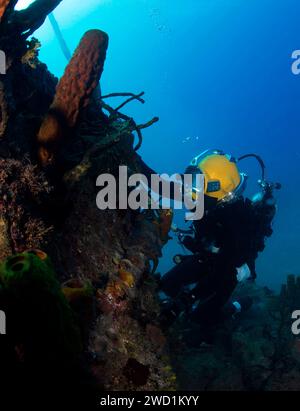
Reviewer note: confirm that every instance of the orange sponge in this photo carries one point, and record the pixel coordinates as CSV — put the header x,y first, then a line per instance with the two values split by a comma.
x,y
73,92
3,6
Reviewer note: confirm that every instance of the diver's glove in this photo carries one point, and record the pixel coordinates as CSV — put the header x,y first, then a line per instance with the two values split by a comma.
x,y
236,307
243,273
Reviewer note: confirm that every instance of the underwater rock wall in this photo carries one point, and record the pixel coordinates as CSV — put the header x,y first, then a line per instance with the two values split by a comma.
x,y
112,251
55,139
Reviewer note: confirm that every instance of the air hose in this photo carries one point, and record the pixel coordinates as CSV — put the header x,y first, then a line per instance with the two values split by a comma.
x,y
260,161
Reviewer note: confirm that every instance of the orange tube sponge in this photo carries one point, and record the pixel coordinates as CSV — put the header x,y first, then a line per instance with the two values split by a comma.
x,y
3,6
73,92
82,76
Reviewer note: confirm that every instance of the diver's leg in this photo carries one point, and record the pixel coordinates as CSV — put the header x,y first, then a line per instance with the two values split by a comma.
x,y
214,296
185,273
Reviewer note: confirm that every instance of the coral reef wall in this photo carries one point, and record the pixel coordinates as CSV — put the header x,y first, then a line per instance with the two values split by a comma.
x,y
55,138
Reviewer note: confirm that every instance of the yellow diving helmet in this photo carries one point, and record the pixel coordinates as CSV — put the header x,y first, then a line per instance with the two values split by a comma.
x,y
222,179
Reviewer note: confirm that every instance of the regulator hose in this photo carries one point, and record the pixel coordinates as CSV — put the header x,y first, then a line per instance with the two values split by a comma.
x,y
260,161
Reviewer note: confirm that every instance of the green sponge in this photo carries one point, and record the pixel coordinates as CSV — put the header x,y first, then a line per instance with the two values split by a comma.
x,y
38,312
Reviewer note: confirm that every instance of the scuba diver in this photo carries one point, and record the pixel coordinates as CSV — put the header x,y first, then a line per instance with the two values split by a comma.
x,y
224,244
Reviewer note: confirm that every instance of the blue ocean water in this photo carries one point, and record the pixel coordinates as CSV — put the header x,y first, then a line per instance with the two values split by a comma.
x,y
218,74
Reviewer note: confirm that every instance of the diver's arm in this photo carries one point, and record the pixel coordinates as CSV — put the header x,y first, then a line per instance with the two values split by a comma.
x,y
148,172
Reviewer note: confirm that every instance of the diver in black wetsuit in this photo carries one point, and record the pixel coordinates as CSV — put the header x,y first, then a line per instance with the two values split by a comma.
x,y
225,243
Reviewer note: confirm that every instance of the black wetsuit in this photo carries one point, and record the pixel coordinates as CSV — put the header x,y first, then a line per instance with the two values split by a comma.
x,y
229,236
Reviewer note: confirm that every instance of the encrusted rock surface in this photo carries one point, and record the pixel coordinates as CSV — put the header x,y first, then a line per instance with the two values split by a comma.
x,y
108,253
